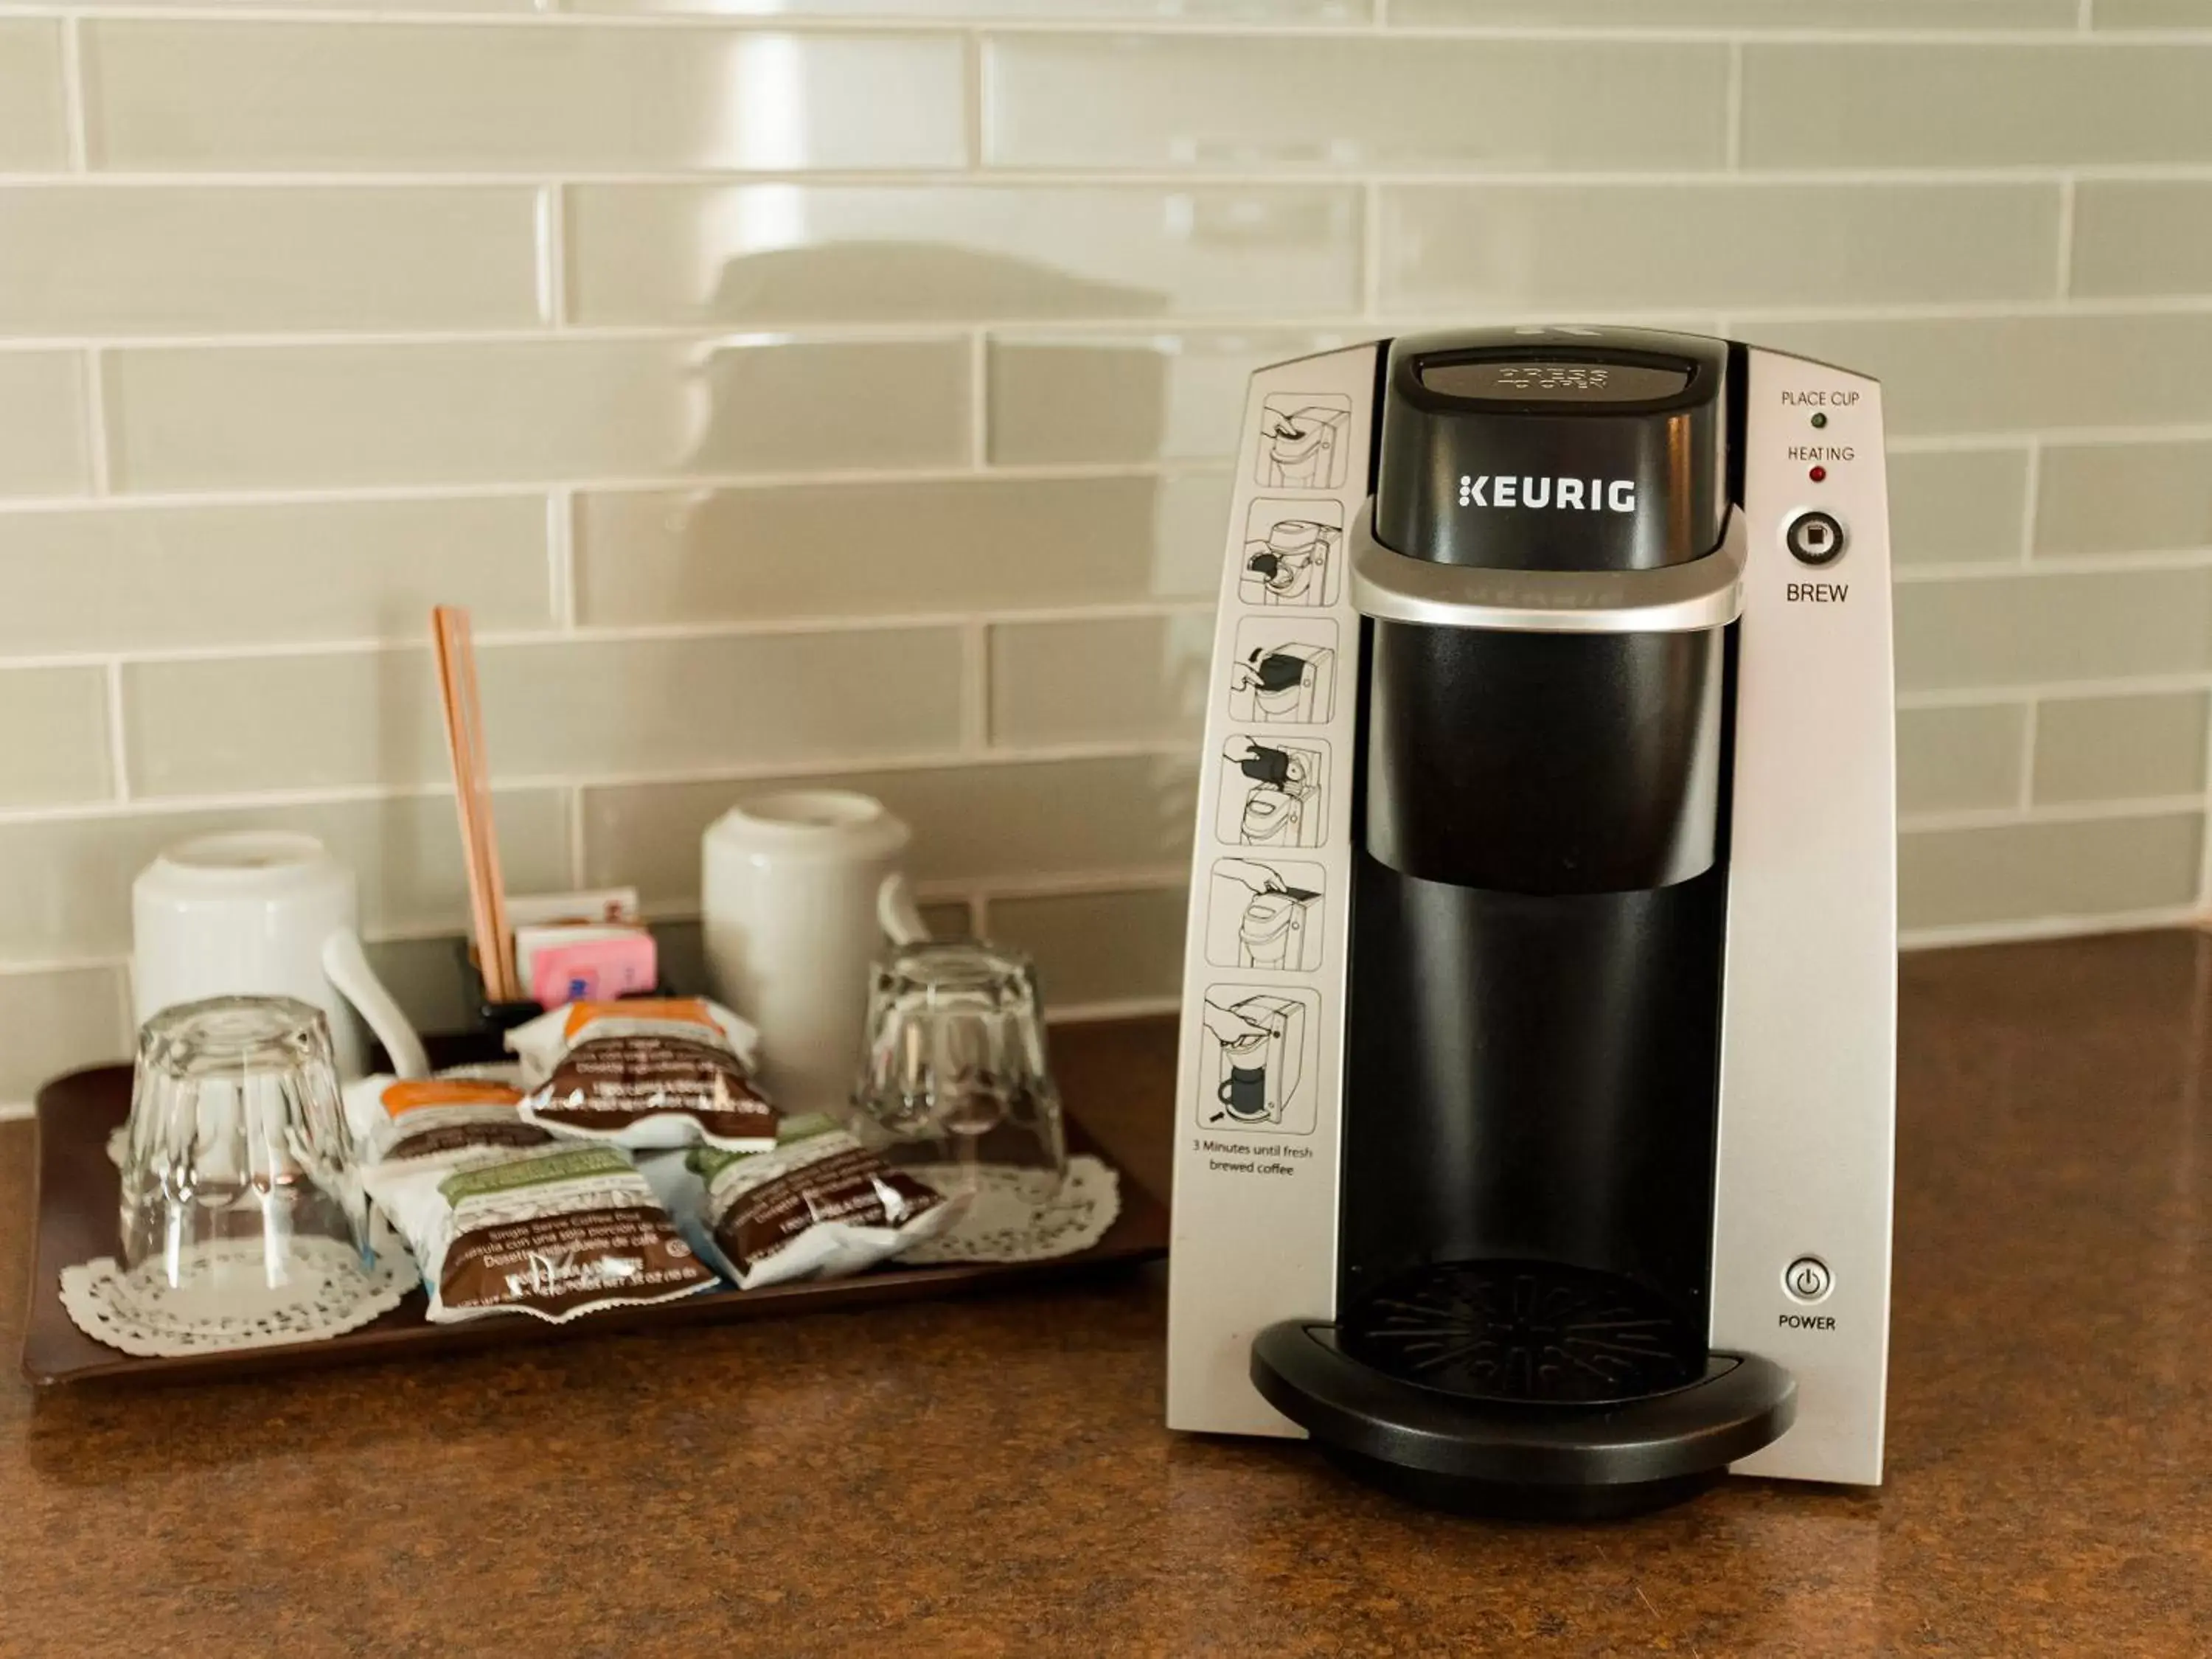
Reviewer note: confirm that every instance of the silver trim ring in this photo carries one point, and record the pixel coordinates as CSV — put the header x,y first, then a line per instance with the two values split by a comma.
x,y
1674,599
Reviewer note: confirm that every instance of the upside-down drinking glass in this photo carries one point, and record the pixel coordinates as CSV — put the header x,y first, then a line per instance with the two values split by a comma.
x,y
240,1172
955,1075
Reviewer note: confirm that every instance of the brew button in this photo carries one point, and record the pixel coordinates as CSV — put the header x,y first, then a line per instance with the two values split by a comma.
x,y
1814,539
1806,1279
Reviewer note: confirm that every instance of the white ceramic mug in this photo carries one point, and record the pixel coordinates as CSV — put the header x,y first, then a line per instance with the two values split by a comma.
x,y
800,891
263,912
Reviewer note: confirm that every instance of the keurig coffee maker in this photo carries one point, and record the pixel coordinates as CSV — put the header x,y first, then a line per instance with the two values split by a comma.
x,y
1551,1173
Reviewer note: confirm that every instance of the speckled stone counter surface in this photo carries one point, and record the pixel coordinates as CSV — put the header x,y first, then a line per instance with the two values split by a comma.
x,y
990,1476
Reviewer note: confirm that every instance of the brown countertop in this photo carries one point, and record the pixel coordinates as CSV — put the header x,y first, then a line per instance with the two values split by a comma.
x,y
990,1476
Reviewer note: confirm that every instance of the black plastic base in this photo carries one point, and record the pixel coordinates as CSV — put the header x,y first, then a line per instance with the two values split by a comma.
x,y
1521,1456
1503,1501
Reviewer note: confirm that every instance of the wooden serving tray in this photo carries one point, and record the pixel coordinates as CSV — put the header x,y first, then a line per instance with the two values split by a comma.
x,y
76,1203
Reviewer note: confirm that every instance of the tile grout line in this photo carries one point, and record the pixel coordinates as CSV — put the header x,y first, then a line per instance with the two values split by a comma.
x,y
2068,188
639,634
1110,329
979,401
551,229
2073,812
2030,724
561,556
76,119
2031,508
98,466
1013,177
118,755
574,816
971,94
1734,107
1370,251
1103,29
975,734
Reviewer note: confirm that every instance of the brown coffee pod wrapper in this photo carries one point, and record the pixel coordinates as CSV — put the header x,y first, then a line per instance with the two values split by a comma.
x,y
817,1208
646,1074
557,1234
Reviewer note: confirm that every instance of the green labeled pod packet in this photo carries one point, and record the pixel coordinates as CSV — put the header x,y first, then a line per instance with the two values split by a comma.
x,y
820,1207
554,1232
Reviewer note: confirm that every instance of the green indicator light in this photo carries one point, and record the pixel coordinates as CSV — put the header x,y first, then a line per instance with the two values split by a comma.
x,y
1819,420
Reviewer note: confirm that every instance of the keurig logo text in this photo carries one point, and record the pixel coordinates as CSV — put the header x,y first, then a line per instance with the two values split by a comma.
x,y
1570,494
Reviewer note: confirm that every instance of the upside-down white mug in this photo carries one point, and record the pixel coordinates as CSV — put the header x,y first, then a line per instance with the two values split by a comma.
x,y
263,912
800,891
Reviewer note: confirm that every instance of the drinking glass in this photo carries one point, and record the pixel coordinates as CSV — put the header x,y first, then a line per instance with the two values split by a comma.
x,y
240,1172
955,1073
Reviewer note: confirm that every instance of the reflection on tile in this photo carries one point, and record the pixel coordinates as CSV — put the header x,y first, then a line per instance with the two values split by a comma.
x,y
1123,679
2019,630
1076,398
1948,104
2037,871
2120,747
65,885
1972,375
169,260
42,416
1952,759
1273,12
56,1022
865,549
970,823
2123,498
580,708
2141,236
1538,247
270,96
508,411
109,579
1097,948
785,252
1250,101
2153,14
1747,15
31,135
53,736
1955,506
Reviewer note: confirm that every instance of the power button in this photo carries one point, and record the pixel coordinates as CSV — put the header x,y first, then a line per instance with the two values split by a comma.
x,y
1807,1278
1814,539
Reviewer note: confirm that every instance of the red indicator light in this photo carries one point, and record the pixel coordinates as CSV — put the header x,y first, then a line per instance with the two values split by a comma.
x,y
1817,474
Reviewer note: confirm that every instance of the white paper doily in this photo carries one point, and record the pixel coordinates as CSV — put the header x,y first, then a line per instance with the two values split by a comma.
x,y
1000,1225
141,1315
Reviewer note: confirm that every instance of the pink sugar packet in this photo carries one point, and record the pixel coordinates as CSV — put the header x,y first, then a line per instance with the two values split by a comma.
x,y
594,970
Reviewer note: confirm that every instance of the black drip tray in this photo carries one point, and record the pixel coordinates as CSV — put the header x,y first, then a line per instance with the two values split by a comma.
x,y
1529,1331
1522,1387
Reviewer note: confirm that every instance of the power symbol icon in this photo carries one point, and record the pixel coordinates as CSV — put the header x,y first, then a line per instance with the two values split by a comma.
x,y
1807,1278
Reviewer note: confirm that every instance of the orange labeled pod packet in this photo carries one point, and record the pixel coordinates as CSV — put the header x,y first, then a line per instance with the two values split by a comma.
x,y
432,1116
674,1071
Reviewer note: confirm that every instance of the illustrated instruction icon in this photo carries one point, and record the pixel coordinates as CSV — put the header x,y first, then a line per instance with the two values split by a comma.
x,y
1274,792
1293,553
1284,671
1264,914
1305,440
1256,1068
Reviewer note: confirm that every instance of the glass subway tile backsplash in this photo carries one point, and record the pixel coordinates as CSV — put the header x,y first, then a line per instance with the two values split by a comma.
x,y
841,389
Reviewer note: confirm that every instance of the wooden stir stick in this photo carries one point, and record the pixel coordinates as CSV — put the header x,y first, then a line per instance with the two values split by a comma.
x,y
465,742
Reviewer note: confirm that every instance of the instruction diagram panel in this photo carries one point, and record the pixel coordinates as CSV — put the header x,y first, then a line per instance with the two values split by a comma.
x,y
1265,914
1285,672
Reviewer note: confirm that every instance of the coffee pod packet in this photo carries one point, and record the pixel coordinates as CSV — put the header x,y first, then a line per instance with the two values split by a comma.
x,y
643,1074
554,1232
427,1117
820,1207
